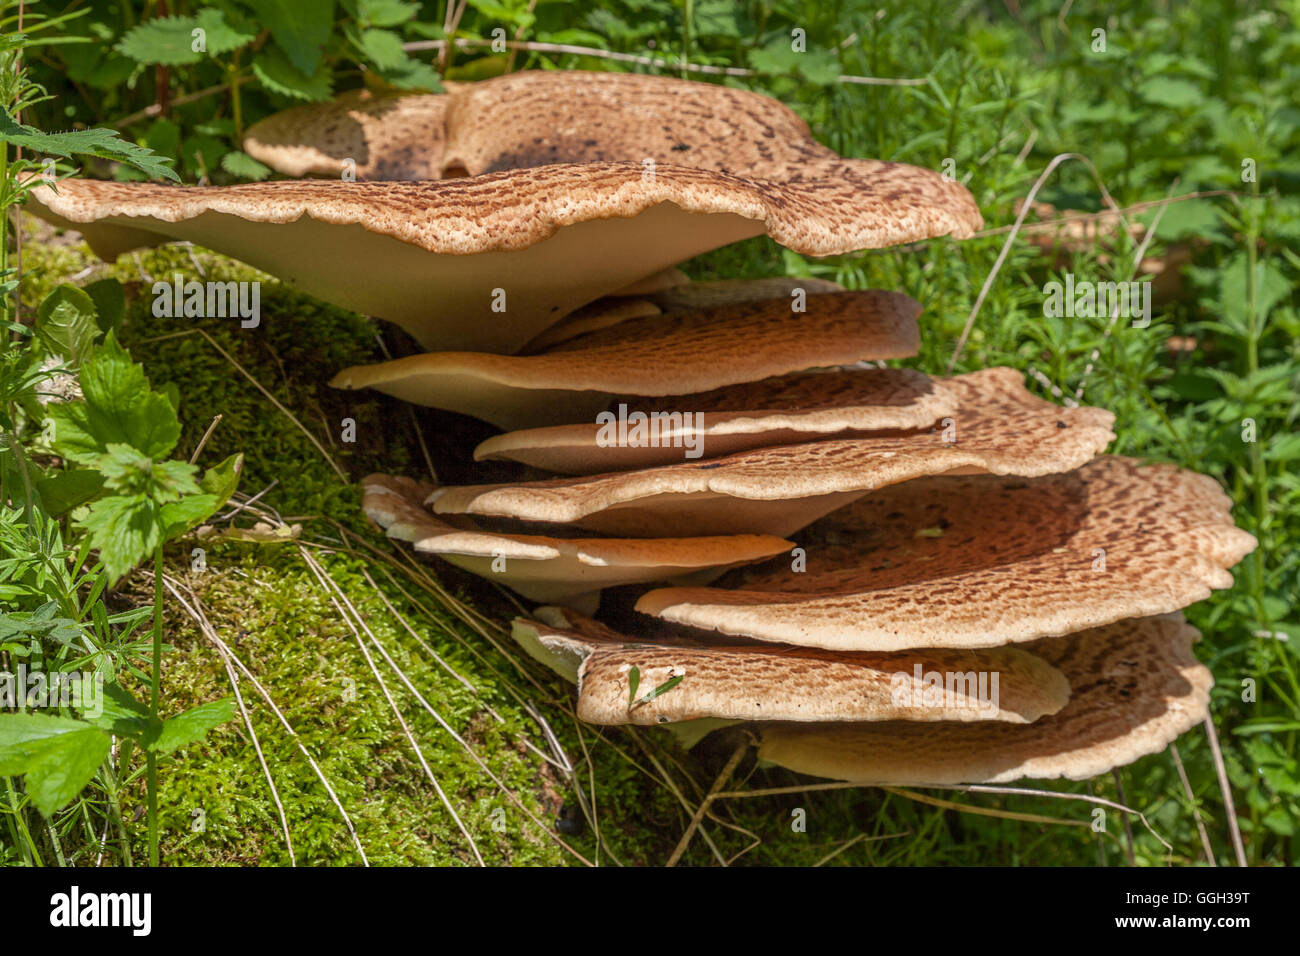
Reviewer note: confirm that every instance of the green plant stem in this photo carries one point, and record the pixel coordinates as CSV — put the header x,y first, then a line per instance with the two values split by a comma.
x,y
28,845
151,759
114,790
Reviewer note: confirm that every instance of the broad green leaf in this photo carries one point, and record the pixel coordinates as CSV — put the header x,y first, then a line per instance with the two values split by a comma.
x,y
301,28
102,143
110,303
192,725
383,48
168,41
177,517
222,479
1171,91
280,76
219,35
119,407
385,13
61,491
124,530
633,682
65,323
240,164
125,716
57,755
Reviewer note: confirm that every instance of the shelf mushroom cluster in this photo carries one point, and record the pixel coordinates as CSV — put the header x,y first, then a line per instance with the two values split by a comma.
x,y
887,577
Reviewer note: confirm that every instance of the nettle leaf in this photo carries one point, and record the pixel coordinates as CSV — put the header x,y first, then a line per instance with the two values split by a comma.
x,y
280,76
1171,91
57,755
240,164
124,530
301,28
218,35
383,48
192,725
168,41
101,143
385,13
65,323
118,407
110,303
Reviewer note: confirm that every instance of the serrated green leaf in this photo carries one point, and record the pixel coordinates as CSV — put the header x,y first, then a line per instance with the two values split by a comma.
x,y
219,36
301,29
383,48
101,143
240,164
192,725
124,530
278,75
385,13
110,303
57,755
177,517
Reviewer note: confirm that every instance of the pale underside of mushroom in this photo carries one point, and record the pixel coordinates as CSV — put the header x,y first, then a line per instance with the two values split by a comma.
x,y
488,262
386,137
1135,687
755,682
777,411
655,355
659,283
981,561
999,428
541,568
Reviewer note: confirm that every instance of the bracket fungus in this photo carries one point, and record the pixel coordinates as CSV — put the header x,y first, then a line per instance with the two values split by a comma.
x,y
1135,687
542,568
985,560
755,682
777,411
958,526
999,428
655,355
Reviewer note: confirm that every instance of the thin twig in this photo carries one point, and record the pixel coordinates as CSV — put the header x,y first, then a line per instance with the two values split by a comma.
x,y
1237,847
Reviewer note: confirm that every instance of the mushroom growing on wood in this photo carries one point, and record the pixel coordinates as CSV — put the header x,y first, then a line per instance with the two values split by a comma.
x,y
775,411
756,682
1135,687
999,428
656,355
541,568
984,560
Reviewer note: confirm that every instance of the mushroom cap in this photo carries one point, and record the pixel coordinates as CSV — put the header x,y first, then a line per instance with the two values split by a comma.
x,y
392,136
554,569
656,355
705,295
753,682
999,426
1135,687
775,411
430,256
979,561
